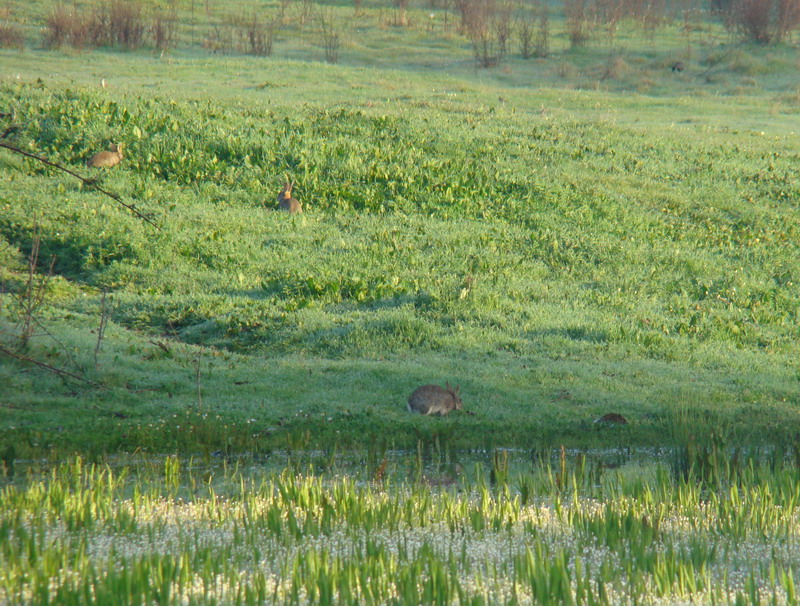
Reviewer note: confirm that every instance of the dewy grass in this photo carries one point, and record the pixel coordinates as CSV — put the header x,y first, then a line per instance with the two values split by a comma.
x,y
177,533
557,265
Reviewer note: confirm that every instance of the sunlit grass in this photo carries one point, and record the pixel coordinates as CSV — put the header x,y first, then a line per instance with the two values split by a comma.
x,y
601,255
180,532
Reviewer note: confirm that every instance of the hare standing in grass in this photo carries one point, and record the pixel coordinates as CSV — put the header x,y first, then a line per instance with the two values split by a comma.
x,y
286,202
432,399
106,159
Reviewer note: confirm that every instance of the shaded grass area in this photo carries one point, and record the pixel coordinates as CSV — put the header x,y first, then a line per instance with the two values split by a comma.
x,y
558,265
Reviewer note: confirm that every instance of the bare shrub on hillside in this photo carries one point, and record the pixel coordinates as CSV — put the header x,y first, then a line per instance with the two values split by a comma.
x,y
463,11
478,19
764,21
164,29
533,31
329,37
238,33
610,13
126,23
788,18
653,16
401,12
576,14
524,28
501,25
541,47
218,39
56,29
283,5
305,11
260,37
11,36
63,26
99,25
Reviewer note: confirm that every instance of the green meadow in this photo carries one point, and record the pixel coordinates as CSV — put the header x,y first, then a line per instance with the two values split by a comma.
x,y
559,254
203,399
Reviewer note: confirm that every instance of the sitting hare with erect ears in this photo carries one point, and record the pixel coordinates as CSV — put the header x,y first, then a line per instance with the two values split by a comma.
x,y
286,202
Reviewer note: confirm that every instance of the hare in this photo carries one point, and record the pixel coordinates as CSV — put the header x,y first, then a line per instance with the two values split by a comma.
x,y
286,202
678,66
107,159
432,399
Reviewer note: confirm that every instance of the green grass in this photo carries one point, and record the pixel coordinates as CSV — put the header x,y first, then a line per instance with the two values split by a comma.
x,y
178,531
559,252
562,238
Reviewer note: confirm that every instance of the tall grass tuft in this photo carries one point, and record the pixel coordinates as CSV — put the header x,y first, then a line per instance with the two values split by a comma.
x,y
11,36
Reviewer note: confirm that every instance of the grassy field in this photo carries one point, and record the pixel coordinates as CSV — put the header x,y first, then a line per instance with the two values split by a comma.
x,y
586,245
209,406
173,532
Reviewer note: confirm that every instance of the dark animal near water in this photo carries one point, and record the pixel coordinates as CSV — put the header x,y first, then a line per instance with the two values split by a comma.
x,y
432,399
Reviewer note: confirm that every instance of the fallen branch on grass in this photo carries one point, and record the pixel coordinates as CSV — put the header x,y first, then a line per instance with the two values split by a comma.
x,y
88,182
59,371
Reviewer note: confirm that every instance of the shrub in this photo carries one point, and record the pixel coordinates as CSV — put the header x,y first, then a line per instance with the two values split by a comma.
x,y
542,42
525,35
330,40
763,21
99,26
126,23
164,30
11,36
259,37
65,26
577,22
487,29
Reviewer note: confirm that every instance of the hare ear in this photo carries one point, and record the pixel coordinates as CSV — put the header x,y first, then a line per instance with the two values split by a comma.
x,y
447,386
458,388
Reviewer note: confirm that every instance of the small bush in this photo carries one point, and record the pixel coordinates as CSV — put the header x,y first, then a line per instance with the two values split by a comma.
x,y
575,12
126,23
218,40
542,41
525,36
329,38
501,24
99,26
763,21
11,36
483,23
259,37
65,26
164,30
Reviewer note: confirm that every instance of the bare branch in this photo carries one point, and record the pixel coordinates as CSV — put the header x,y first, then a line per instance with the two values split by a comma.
x,y
60,372
88,182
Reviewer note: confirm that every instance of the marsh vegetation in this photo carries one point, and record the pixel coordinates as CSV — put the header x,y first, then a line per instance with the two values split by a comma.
x,y
183,531
575,235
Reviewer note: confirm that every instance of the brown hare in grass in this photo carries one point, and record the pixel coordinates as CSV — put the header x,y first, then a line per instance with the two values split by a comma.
x,y
286,202
432,399
107,159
